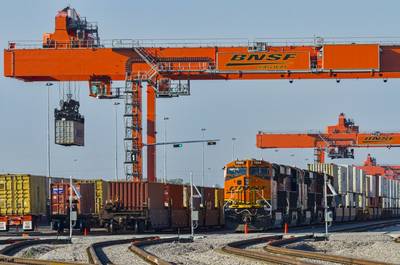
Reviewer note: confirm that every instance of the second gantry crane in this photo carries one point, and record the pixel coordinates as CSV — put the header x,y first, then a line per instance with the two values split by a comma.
x,y
338,141
74,52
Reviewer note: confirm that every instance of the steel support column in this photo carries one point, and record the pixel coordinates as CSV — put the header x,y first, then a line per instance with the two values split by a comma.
x,y
151,133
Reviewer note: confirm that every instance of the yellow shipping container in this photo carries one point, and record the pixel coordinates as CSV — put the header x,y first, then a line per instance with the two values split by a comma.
x,y
23,195
101,188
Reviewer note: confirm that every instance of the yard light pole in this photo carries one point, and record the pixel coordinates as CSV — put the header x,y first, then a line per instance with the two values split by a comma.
x,y
116,138
165,149
203,158
48,85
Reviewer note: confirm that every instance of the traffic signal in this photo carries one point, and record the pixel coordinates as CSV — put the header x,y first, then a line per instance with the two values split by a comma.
x,y
211,143
177,145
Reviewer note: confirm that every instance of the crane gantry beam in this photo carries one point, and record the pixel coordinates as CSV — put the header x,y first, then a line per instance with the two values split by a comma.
x,y
338,140
74,53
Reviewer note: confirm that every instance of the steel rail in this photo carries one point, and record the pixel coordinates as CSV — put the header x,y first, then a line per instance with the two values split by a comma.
x,y
275,247
96,254
149,257
6,254
236,248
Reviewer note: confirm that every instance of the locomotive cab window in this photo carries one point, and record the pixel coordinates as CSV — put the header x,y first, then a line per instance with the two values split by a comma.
x,y
233,172
262,172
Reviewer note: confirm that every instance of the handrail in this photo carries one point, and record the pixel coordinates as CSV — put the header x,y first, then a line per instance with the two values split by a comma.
x,y
211,42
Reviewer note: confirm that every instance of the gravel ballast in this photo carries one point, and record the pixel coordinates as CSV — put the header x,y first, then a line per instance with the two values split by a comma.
x,y
369,245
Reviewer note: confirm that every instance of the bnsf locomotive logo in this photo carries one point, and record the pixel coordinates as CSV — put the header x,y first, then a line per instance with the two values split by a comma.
x,y
261,59
372,139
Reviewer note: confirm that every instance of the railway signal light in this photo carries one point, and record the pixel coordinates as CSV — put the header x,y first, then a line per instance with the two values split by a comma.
x,y
177,145
211,143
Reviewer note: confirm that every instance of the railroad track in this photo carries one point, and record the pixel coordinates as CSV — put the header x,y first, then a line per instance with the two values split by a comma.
x,y
137,248
275,247
7,258
97,256
277,254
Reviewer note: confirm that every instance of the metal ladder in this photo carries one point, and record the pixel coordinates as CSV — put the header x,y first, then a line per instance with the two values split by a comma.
x,y
133,129
150,60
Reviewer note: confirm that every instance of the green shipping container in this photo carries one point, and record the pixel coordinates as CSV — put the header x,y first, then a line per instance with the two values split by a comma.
x,y
23,195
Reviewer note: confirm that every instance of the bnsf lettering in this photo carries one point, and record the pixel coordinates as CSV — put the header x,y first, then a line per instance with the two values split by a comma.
x,y
377,138
264,56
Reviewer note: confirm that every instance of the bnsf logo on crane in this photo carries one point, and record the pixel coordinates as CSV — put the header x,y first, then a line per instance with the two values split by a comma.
x,y
374,138
263,56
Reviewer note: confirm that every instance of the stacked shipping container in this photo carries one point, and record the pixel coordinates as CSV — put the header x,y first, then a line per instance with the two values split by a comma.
x,y
22,200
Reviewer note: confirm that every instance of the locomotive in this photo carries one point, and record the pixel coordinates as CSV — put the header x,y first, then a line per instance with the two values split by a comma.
x,y
265,195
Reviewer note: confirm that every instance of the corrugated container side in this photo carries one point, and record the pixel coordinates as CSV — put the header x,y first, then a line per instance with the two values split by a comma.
x,y
212,217
209,198
179,218
342,180
60,198
132,195
69,132
23,195
174,196
350,178
87,202
155,195
101,192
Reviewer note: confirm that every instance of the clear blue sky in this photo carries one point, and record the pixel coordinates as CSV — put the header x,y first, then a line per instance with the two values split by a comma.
x,y
227,109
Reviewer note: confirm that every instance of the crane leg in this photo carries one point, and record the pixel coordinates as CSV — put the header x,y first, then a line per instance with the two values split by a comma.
x,y
319,155
137,132
151,133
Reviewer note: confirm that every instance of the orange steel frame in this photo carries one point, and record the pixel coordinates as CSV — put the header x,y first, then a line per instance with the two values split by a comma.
x,y
370,167
341,135
65,56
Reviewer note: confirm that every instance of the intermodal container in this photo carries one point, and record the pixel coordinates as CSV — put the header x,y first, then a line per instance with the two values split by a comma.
x,y
84,201
173,196
101,192
69,132
23,195
134,196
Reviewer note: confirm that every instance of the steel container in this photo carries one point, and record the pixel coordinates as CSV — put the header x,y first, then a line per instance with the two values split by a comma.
x,y
180,218
134,196
69,132
213,217
159,218
23,195
173,196
101,192
84,201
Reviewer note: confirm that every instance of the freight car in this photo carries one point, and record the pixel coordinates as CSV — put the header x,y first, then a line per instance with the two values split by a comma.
x,y
141,206
23,201
83,204
133,206
265,195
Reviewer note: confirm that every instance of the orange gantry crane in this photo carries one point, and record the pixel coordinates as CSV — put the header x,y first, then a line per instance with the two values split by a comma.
x,y
338,140
74,53
370,167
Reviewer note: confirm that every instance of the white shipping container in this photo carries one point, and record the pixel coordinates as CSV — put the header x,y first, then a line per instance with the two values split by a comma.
x,y
382,186
385,187
357,180
342,180
349,178
371,185
350,200
397,189
69,133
